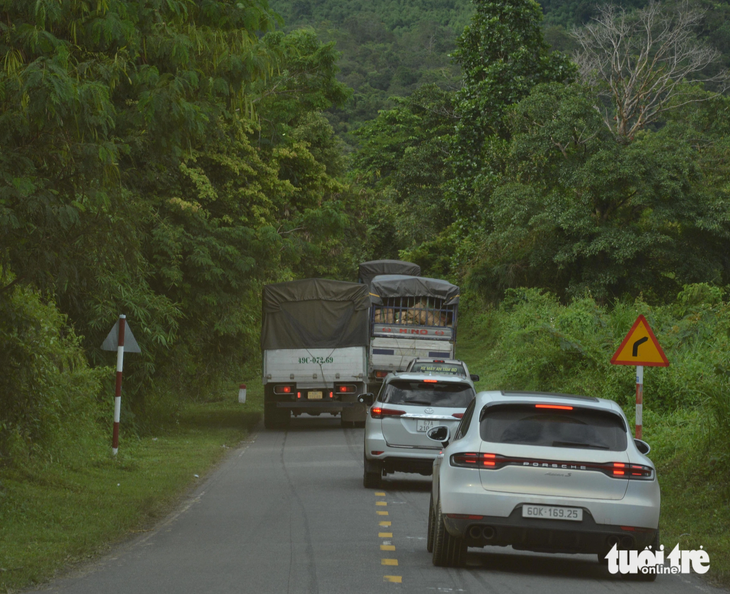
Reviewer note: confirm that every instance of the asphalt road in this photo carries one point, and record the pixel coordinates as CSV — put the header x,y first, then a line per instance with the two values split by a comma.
x,y
287,513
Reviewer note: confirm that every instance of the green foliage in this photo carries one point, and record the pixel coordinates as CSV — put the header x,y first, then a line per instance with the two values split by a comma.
x,y
576,211
164,159
502,55
388,49
49,403
403,157
535,343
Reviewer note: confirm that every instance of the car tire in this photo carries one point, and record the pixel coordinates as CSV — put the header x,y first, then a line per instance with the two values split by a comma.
x,y
372,474
431,522
649,577
448,551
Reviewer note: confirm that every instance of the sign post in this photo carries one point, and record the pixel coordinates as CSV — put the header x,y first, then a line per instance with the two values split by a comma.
x,y
115,342
640,348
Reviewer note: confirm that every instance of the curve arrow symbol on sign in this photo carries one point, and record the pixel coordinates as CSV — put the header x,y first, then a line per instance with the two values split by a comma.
x,y
635,350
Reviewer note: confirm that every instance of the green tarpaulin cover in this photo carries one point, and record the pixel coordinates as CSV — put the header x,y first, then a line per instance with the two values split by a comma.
x,y
314,313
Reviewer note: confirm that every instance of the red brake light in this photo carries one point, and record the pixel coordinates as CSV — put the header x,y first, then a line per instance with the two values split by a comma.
x,y
286,389
554,406
342,389
430,381
283,389
458,415
438,360
477,460
377,412
628,471
346,389
381,373
299,394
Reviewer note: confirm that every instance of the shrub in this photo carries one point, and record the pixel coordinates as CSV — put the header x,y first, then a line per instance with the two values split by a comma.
x,y
49,405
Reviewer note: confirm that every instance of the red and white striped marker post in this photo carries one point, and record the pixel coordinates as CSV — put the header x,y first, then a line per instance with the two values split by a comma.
x,y
639,398
120,334
118,390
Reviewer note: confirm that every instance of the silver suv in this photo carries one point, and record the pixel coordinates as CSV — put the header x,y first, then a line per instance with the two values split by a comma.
x,y
409,404
440,367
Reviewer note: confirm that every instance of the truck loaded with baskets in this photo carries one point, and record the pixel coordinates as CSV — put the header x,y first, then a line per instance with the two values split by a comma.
x,y
410,317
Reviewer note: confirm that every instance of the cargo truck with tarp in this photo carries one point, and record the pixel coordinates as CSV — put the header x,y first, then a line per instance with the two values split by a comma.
x,y
410,317
367,271
314,343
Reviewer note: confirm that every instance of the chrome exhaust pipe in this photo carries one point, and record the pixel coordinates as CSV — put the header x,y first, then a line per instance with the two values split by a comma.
x,y
475,532
488,532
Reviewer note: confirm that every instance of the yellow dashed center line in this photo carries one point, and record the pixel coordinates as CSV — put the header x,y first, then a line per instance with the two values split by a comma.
x,y
386,546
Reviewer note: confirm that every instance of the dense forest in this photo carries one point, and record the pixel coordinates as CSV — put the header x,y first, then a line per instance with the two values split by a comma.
x,y
165,159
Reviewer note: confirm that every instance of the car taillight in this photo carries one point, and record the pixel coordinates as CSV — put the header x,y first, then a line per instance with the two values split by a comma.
x,y
377,412
478,460
554,406
628,471
381,373
458,415
429,381
346,389
283,389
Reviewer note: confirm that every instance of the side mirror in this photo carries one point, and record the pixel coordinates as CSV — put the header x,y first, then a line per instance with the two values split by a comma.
x,y
439,433
474,377
642,446
366,399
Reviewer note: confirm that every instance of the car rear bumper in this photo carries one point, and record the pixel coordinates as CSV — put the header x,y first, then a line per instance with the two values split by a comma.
x,y
401,460
554,536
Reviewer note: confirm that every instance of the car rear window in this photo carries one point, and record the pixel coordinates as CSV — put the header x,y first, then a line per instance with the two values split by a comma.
x,y
439,368
577,428
438,394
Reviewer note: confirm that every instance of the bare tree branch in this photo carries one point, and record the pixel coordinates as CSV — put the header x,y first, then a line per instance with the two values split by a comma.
x,y
641,63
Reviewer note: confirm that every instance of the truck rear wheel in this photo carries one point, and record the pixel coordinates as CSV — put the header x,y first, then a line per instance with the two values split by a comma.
x,y
275,418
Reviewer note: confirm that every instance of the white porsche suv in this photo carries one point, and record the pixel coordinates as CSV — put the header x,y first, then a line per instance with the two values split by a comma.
x,y
409,404
541,472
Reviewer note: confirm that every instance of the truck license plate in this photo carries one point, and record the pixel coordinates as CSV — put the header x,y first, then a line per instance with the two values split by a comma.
x,y
314,395
546,512
423,426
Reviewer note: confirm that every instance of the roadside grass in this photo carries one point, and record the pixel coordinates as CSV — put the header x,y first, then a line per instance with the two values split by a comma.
x,y
53,516
694,475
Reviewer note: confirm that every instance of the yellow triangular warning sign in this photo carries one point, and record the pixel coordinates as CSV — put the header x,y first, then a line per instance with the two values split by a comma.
x,y
640,347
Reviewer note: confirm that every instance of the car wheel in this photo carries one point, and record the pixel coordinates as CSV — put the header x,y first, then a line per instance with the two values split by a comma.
x,y
649,577
447,550
429,541
371,474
